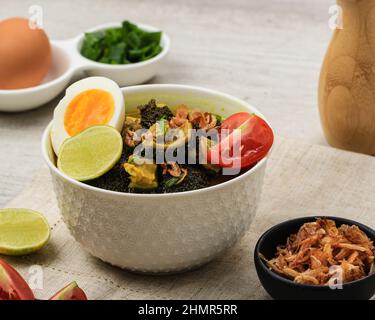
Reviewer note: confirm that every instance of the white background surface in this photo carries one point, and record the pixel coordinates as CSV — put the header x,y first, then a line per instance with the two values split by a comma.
x,y
266,52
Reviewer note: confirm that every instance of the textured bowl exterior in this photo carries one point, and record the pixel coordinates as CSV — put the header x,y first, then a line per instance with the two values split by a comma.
x,y
159,235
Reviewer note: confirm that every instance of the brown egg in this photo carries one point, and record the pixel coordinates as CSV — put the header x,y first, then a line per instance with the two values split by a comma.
x,y
25,54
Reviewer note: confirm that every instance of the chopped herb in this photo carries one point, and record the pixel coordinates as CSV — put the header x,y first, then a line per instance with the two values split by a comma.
x,y
121,45
132,159
219,119
171,182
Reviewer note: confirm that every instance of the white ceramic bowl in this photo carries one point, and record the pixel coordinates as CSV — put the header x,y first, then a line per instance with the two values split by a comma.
x,y
67,61
60,73
163,232
125,74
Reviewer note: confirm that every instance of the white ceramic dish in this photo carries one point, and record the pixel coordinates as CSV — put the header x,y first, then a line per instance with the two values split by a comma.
x,y
67,61
158,233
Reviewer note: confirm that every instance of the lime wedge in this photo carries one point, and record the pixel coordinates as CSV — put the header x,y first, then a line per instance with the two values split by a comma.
x,y
91,153
22,231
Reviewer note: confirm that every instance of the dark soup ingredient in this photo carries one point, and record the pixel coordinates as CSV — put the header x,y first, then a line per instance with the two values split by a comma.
x,y
121,45
161,155
151,113
321,252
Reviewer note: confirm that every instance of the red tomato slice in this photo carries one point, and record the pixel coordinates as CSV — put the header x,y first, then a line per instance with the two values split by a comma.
x,y
12,285
244,147
70,292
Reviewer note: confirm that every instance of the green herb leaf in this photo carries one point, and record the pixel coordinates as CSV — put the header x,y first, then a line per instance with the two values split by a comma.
x,y
116,53
133,40
171,182
127,26
113,36
122,45
92,47
150,38
219,119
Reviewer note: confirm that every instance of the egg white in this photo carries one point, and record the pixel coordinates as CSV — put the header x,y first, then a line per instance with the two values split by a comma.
x,y
59,133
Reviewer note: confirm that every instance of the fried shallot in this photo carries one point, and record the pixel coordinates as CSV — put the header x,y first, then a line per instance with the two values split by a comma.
x,y
180,118
320,251
203,120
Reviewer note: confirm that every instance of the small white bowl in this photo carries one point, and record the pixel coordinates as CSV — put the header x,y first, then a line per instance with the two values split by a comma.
x,y
159,233
57,79
67,61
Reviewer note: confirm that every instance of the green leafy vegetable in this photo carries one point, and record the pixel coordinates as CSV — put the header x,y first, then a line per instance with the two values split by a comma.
x,y
121,45
219,119
171,182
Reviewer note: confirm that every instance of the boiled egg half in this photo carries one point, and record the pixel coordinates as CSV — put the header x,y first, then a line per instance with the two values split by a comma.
x,y
88,102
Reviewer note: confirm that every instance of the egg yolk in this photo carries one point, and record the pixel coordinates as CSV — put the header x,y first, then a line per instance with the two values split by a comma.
x,y
89,108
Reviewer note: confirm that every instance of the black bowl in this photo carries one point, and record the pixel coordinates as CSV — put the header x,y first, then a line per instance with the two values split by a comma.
x,y
282,288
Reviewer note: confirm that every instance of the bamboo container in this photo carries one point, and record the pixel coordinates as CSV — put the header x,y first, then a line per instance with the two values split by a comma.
x,y
347,80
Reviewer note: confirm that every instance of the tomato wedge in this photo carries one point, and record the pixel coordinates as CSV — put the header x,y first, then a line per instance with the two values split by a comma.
x,y
244,147
12,285
70,292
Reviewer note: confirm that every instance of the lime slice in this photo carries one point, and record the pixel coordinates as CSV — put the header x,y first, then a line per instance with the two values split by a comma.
x,y
91,153
22,231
